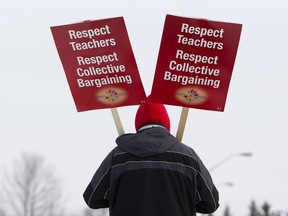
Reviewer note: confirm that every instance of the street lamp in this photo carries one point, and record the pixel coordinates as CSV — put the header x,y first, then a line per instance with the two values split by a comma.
x,y
242,154
229,184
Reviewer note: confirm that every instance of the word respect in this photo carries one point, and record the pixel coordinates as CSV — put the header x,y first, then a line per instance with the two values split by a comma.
x,y
217,33
180,54
97,59
89,33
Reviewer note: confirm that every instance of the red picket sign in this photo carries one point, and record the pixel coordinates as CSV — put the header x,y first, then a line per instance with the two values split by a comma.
x,y
99,64
195,63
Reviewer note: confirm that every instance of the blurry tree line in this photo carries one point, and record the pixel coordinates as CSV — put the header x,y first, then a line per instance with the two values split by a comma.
x,y
254,210
31,188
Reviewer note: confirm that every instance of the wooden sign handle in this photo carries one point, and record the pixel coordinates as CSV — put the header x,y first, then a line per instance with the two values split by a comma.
x,y
182,123
117,121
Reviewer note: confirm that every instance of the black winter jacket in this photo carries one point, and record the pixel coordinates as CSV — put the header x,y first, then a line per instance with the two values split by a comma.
x,y
151,174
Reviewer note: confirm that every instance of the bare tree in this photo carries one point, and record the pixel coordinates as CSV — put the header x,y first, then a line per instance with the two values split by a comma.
x,y
31,188
2,212
2,207
266,209
253,209
227,211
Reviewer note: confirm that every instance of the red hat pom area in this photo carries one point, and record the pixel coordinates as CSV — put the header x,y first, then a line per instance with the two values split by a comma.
x,y
151,113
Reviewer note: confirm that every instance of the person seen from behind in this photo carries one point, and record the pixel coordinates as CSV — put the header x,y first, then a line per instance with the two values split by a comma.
x,y
151,173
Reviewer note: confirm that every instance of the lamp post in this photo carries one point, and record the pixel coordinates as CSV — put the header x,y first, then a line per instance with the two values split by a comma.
x,y
242,154
229,184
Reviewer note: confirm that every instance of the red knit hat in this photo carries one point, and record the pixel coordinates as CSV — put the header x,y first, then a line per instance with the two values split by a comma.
x,y
151,113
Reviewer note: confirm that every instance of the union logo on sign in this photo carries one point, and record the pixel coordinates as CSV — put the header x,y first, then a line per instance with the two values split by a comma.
x,y
191,95
112,95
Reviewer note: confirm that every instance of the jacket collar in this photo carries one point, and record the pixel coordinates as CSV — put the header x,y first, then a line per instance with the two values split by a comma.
x,y
151,126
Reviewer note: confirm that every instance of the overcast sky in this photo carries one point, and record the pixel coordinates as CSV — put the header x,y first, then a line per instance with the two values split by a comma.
x,y
37,112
